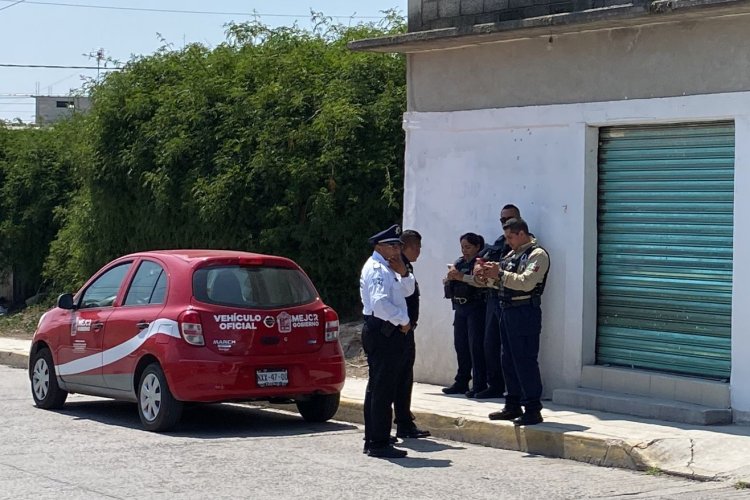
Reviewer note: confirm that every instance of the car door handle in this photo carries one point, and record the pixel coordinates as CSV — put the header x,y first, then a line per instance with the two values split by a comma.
x,y
97,325
142,325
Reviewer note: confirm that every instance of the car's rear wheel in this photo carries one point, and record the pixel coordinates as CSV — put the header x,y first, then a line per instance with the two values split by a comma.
x,y
47,394
158,409
320,407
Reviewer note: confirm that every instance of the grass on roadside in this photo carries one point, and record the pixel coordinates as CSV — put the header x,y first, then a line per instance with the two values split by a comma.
x,y
654,471
21,324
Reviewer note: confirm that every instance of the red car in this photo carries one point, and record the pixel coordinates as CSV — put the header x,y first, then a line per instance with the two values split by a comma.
x,y
166,327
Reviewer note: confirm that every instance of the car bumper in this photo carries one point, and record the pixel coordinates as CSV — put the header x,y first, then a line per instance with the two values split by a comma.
x,y
215,378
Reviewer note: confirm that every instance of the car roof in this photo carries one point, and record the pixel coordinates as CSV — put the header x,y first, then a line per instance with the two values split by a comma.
x,y
195,256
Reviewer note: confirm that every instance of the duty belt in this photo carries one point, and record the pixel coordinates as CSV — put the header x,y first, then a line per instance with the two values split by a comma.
x,y
463,300
526,300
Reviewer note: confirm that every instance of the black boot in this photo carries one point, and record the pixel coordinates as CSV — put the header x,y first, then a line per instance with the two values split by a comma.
x,y
489,393
529,418
456,388
413,432
507,413
387,452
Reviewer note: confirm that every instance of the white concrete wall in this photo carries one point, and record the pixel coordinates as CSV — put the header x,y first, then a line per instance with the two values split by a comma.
x,y
462,167
650,61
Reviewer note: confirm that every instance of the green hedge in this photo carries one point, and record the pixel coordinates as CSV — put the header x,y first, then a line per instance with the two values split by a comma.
x,y
279,141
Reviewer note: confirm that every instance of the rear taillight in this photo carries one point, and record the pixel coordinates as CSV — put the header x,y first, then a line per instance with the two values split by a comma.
x,y
332,325
191,328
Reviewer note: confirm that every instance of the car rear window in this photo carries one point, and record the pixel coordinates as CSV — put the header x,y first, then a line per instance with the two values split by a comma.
x,y
252,287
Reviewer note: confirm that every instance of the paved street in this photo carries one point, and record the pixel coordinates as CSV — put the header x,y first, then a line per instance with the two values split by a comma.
x,y
95,449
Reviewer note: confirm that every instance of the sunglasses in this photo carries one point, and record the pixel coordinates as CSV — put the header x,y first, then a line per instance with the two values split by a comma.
x,y
503,220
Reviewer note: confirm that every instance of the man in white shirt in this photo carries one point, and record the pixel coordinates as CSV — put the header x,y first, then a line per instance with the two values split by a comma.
x,y
384,284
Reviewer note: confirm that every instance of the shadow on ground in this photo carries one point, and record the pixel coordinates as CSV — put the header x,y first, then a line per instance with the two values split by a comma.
x,y
207,421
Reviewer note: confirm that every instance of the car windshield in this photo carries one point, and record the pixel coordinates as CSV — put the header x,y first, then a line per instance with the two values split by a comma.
x,y
252,287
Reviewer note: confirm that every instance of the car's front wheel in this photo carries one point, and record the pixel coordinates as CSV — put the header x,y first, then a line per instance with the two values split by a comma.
x,y
158,409
320,407
47,394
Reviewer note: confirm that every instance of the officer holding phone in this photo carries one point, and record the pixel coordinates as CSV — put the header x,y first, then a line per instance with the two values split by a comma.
x,y
384,284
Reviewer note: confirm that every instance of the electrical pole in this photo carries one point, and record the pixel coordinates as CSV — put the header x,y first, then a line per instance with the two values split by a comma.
x,y
99,59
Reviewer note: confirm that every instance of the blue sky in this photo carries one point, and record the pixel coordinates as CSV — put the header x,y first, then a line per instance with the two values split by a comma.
x,y
60,32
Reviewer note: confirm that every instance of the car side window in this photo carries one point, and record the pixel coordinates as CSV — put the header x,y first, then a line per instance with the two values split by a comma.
x,y
103,291
149,285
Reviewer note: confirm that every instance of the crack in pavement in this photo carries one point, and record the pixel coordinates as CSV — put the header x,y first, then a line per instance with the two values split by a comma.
x,y
60,481
692,456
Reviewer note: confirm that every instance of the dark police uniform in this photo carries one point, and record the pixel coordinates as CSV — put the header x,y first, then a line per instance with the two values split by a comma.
x,y
523,279
492,336
468,329
404,419
383,294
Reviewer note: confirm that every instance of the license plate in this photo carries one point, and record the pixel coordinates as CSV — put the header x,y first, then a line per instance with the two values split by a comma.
x,y
272,378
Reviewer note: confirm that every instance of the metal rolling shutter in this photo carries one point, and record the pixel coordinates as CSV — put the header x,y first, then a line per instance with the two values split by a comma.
x,y
665,247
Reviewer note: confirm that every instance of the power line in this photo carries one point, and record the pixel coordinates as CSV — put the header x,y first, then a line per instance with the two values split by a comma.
x,y
55,66
11,5
177,11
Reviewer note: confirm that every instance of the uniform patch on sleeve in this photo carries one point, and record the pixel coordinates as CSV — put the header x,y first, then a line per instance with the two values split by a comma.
x,y
533,267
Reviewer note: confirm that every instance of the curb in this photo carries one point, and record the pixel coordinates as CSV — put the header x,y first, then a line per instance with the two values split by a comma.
x,y
538,440
546,439
542,439
14,359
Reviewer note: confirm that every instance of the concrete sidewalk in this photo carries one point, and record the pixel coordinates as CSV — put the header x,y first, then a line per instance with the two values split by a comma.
x,y
608,439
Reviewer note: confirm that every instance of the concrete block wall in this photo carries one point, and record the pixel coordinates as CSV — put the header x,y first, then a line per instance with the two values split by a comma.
x,y
427,15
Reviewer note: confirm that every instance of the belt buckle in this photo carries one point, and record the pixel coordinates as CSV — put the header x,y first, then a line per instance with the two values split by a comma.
x,y
461,300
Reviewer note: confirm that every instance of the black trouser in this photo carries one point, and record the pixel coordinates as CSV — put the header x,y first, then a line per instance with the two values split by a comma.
x,y
468,340
493,344
405,382
521,329
384,346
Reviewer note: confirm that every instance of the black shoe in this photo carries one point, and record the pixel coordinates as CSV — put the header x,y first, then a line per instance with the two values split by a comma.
x,y
387,452
413,433
489,393
455,389
391,440
506,414
470,393
529,418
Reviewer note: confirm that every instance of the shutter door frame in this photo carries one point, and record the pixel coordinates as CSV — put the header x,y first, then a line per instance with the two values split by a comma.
x,y
664,251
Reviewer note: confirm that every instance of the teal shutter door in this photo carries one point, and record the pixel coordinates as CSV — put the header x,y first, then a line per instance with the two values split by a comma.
x,y
665,227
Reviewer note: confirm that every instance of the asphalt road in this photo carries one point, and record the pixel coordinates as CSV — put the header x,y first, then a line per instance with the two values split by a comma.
x,y
95,448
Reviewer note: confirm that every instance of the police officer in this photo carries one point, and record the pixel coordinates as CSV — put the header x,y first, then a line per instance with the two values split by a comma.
x,y
522,275
468,319
404,418
492,337
384,284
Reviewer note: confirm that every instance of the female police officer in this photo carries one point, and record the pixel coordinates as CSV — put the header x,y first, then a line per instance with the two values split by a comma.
x,y
468,321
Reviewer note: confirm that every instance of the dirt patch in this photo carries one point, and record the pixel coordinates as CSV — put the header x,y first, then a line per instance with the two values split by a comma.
x,y
350,335
21,324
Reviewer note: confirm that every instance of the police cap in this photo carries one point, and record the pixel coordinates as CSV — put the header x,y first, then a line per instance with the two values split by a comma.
x,y
390,235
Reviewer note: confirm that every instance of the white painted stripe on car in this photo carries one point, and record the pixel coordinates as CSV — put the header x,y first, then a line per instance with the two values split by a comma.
x,y
161,326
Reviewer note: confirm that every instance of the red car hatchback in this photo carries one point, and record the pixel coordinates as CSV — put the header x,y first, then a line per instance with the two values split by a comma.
x,y
166,327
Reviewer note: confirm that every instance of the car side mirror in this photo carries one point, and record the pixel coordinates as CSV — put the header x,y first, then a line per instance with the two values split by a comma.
x,y
65,301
